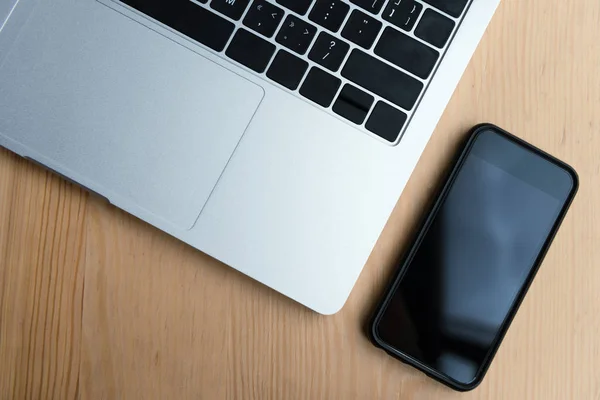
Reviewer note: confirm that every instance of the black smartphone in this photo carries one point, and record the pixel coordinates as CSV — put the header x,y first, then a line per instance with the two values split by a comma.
x,y
462,281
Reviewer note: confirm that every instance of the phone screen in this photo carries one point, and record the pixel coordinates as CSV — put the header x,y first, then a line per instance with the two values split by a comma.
x,y
475,256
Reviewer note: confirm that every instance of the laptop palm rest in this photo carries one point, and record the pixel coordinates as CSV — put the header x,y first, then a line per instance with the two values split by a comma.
x,y
140,119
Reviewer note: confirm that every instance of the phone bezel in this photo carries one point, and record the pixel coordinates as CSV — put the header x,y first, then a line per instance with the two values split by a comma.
x,y
376,339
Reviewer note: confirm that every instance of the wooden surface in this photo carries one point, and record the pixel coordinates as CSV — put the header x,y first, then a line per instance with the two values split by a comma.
x,y
95,304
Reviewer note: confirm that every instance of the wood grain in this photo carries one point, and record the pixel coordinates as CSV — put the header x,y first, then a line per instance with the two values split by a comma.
x,y
42,221
95,304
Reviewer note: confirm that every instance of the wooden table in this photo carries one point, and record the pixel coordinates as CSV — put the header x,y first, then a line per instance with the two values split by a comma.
x,y
95,304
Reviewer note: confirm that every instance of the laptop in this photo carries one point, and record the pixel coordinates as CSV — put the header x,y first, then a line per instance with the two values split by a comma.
x,y
274,135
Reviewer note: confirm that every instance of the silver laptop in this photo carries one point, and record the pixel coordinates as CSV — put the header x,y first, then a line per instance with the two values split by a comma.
x,y
273,135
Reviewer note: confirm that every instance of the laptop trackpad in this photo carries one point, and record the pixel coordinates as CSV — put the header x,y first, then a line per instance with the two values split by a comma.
x,y
148,122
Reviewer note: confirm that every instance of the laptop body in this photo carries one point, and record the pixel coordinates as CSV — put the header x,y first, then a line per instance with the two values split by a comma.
x,y
244,140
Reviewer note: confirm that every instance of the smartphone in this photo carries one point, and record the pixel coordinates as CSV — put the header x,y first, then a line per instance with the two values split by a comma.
x,y
461,283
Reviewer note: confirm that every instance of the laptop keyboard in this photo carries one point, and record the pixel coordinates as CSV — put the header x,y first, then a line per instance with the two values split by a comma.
x,y
366,61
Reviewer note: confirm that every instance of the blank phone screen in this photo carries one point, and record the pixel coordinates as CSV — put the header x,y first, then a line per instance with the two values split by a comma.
x,y
475,257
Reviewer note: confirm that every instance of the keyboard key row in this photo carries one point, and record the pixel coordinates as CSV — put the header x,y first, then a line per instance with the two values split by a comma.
x,y
352,103
453,8
368,73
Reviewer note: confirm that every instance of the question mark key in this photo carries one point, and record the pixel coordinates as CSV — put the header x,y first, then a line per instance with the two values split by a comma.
x,y
329,51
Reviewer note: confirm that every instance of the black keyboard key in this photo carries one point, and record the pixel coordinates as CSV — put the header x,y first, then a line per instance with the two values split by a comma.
x,y
451,7
320,87
382,79
361,29
287,69
297,6
403,14
188,18
295,34
250,50
406,52
263,17
329,13
434,28
233,9
373,6
386,121
353,104
329,51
